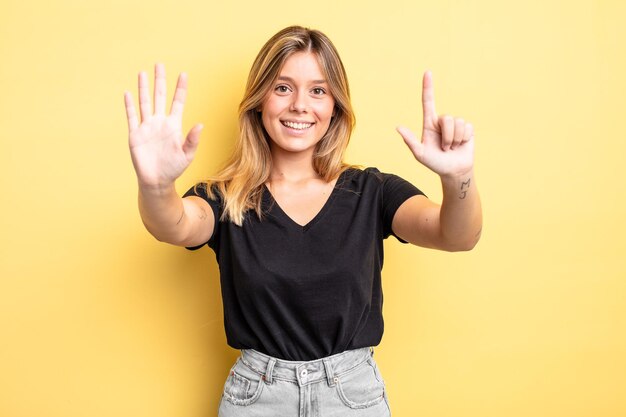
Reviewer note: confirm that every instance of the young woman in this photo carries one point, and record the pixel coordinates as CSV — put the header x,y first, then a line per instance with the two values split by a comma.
x,y
297,232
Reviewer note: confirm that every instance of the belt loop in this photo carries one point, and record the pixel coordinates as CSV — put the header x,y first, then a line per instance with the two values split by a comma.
x,y
330,374
269,371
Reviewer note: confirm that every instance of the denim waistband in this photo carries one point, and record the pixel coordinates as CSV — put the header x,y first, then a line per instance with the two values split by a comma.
x,y
305,372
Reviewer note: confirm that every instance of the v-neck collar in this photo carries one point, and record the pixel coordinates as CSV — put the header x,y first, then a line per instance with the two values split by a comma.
x,y
277,210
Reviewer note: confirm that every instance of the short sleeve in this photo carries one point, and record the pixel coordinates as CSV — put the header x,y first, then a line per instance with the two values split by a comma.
x,y
200,190
395,192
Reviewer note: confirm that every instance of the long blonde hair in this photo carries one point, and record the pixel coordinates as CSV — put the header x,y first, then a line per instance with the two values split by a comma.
x,y
240,182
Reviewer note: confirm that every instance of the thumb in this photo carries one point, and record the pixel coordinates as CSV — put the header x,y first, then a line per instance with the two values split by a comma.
x,y
412,142
191,141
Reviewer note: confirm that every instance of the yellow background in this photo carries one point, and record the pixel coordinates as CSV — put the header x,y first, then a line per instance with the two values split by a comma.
x,y
99,319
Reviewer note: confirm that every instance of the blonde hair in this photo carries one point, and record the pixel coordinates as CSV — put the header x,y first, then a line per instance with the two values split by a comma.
x,y
240,182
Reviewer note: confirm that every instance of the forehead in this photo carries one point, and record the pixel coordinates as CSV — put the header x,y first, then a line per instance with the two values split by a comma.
x,y
302,66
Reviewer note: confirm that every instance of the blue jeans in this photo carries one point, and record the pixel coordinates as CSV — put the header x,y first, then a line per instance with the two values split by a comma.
x,y
346,384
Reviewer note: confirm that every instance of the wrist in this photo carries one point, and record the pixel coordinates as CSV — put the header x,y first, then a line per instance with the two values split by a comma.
x,y
156,188
457,177
458,186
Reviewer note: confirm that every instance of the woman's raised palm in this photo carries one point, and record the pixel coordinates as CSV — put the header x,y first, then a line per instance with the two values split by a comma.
x,y
159,152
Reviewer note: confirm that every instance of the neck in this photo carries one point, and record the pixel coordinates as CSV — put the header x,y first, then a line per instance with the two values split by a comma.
x,y
292,167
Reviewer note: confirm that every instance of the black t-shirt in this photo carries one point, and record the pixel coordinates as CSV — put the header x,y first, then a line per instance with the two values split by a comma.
x,y
305,292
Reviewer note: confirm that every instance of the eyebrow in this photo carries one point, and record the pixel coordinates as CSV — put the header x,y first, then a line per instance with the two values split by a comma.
x,y
283,78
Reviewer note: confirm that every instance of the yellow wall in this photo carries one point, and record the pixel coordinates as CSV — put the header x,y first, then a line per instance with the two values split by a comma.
x,y
99,319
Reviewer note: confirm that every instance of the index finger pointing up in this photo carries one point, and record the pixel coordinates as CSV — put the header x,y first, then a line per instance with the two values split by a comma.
x,y
428,97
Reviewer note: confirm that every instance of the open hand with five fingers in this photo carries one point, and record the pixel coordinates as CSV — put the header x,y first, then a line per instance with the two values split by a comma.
x,y
158,149
447,145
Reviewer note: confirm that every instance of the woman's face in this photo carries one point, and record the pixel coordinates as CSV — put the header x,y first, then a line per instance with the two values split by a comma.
x,y
298,109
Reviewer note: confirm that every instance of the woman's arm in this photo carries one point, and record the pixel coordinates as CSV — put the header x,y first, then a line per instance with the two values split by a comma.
x,y
169,218
455,225
446,148
160,154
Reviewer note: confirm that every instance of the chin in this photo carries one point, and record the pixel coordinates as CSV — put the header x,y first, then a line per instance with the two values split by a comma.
x,y
294,145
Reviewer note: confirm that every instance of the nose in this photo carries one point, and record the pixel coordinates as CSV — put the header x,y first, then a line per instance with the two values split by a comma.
x,y
299,103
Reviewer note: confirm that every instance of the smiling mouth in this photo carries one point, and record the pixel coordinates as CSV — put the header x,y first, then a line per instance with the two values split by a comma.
x,y
296,126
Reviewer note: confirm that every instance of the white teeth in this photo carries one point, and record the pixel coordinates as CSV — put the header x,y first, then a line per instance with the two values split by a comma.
x,y
298,126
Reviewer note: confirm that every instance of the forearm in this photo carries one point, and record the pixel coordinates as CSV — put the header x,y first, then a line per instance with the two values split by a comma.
x,y
163,213
461,212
